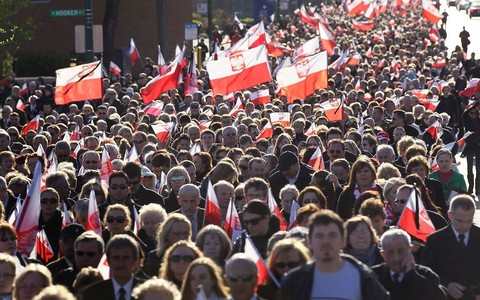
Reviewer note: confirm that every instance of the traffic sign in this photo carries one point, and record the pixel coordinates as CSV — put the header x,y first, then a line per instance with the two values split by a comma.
x,y
67,13
191,31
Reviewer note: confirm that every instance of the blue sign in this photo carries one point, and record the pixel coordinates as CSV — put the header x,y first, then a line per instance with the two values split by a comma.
x,y
263,8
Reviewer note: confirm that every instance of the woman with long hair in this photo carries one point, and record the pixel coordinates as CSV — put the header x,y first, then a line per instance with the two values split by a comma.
x,y
214,243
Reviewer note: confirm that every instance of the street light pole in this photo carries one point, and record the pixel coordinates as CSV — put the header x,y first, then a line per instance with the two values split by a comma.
x,y
88,31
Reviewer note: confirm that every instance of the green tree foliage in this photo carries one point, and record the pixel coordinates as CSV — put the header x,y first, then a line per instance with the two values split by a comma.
x,y
12,32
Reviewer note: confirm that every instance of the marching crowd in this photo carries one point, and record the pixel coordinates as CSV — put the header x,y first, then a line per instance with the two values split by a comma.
x,y
238,206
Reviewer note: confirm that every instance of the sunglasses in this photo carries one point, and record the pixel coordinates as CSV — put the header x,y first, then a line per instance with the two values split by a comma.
x,y
177,178
116,187
48,200
236,278
6,239
91,162
87,253
253,221
118,219
290,264
184,258
401,201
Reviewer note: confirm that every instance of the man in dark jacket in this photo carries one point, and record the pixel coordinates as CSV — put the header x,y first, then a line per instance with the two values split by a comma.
x,y
331,275
140,195
400,275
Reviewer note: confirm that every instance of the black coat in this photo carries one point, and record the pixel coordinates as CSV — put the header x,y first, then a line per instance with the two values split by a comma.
x,y
146,196
445,257
418,284
298,283
278,180
104,289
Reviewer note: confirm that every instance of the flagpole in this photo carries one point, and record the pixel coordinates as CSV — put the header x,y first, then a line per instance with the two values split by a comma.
x,y
274,279
231,214
417,210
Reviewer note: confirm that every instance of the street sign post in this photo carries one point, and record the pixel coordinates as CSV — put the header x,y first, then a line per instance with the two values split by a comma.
x,y
191,31
67,13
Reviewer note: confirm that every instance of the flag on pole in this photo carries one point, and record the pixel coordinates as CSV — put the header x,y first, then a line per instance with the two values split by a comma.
x,y
238,106
362,26
132,155
191,78
16,210
66,217
212,208
106,168
415,219
294,208
34,125
473,86
262,271
238,22
155,108
333,110
162,65
133,52
42,250
260,97
20,105
272,204
115,69
430,12
79,83
26,223
461,141
282,118
310,47
93,220
312,130
163,131
316,161
232,225
266,132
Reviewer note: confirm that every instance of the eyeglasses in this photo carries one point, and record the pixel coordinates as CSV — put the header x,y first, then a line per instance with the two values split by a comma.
x,y
184,258
139,142
49,200
88,162
177,178
236,278
6,239
87,253
116,187
253,221
118,219
290,264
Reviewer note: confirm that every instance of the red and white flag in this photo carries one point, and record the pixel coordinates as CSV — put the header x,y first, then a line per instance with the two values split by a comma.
x,y
204,125
136,221
80,83
232,225
15,212
312,130
415,219
106,168
274,48
132,155
461,141
326,38
238,106
308,18
115,69
340,62
334,110
473,86
103,267
353,60
165,82
161,64
304,77
272,204
362,26
357,7
212,208
26,223
24,90
369,53
240,70
254,37
316,161
260,97
238,22
294,208
93,220
282,118
421,94
66,217
439,63
163,131
155,108
433,33
133,52
191,78
372,11
430,104
266,132
435,130
430,12
42,250
262,270
20,105
310,47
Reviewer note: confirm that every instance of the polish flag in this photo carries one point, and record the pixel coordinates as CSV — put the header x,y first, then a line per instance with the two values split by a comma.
x,y
369,53
312,130
294,208
106,168
155,108
274,209
20,105
209,113
274,48
103,267
161,64
79,147
136,221
473,86
240,70
266,132
133,155
115,69
232,225
165,82
13,215
353,60
24,90
34,125
93,220
461,141
309,48
340,62
357,85
357,7
254,37
435,130
382,6
238,22
362,26
326,37
204,125
433,33
430,12
430,104
196,148
133,52
212,208
395,65
307,18
42,250
421,94
262,270
282,118
260,97
26,223
415,219
80,83
439,63
191,78
163,131
316,161
372,11
76,134
333,110
238,106
66,217
304,77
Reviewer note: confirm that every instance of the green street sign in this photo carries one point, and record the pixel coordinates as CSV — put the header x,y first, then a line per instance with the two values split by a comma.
x,y
67,13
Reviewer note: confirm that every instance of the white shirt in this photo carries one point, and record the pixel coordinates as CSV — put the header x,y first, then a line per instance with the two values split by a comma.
x,y
400,276
127,287
465,240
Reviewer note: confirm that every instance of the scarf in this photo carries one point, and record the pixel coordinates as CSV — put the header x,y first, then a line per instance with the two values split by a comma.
x,y
357,193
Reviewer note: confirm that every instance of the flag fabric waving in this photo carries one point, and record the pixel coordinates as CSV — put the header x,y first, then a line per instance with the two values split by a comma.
x,y
272,204
260,97
42,250
473,86
316,161
240,70
304,77
80,83
310,47
26,223
212,208
93,220
262,270
155,108
106,168
266,132
430,12
326,37
282,118
34,125
232,225
163,131
334,110
415,219
114,68
133,52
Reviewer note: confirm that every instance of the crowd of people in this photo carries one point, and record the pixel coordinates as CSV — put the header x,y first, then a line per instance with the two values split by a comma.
x,y
337,233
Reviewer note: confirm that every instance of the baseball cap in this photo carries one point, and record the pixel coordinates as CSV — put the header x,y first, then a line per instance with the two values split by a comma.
x,y
382,135
286,159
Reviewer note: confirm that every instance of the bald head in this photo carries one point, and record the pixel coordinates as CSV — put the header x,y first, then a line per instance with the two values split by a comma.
x,y
189,189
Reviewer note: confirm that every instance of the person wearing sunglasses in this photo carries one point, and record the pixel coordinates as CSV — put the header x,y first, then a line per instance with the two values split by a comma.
x,y
241,276
176,261
286,255
51,218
